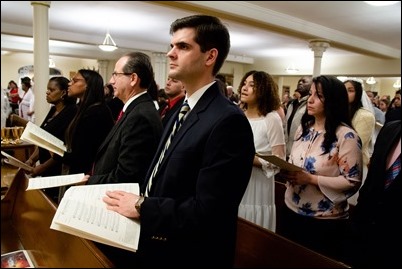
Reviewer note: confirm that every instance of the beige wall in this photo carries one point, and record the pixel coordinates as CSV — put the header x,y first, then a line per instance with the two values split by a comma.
x,y
367,66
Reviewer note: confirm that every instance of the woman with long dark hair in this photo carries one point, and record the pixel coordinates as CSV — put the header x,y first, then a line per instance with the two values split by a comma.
x,y
329,150
91,124
260,99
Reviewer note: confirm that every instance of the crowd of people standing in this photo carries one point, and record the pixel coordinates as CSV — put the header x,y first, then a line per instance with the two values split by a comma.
x,y
195,158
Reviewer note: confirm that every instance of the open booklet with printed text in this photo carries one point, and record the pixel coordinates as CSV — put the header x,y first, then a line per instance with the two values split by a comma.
x,y
41,138
35,183
83,213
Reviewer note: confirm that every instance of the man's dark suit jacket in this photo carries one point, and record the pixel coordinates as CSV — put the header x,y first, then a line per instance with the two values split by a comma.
x,y
377,215
190,216
128,149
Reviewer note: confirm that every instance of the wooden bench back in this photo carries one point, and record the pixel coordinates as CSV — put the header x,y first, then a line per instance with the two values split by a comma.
x,y
27,215
260,248
30,219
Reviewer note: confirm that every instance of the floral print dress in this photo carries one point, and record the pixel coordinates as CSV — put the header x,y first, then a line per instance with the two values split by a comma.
x,y
339,173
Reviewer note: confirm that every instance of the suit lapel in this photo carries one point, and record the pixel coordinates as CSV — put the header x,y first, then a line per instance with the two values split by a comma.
x,y
193,117
116,127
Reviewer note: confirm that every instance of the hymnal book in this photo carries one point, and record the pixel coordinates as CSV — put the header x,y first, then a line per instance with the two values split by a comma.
x,y
83,213
281,163
15,162
54,181
38,136
16,259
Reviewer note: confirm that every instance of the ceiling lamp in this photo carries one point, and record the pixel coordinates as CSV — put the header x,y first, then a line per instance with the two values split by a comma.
x,y
381,3
291,69
371,80
397,84
52,64
108,43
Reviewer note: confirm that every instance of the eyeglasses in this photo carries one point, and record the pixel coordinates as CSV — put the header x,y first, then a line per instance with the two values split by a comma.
x,y
115,74
75,80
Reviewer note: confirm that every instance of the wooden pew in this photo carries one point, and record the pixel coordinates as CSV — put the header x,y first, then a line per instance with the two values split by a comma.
x,y
260,248
26,217
25,224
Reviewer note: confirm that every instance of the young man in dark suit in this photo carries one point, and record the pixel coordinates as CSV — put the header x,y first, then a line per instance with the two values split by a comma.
x,y
189,212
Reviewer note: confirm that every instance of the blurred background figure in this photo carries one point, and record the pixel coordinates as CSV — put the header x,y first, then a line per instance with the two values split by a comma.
x,y
286,100
26,106
175,92
394,109
384,103
232,95
5,108
115,104
162,99
296,110
13,96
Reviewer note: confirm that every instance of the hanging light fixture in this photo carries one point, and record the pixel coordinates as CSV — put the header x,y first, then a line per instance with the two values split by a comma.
x,y
108,43
381,3
291,69
397,84
371,80
52,64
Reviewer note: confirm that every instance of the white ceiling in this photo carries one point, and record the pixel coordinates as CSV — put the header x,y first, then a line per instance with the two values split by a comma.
x,y
259,29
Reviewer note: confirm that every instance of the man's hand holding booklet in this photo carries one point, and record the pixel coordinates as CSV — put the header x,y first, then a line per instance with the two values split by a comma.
x,y
282,164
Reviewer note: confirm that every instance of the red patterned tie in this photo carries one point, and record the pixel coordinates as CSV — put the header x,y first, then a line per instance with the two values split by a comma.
x,y
120,115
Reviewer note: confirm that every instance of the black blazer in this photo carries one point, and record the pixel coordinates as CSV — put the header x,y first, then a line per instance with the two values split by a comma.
x,y
127,151
375,203
57,127
376,218
89,133
190,216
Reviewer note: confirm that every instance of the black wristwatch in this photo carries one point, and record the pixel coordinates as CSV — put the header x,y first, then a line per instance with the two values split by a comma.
x,y
139,203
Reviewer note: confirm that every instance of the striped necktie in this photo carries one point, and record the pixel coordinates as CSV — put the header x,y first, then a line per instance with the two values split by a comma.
x,y
179,120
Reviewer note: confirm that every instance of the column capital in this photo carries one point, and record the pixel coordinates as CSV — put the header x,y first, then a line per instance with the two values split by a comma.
x,y
318,46
41,3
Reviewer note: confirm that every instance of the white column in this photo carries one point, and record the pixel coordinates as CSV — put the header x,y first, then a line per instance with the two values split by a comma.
x,y
160,68
103,70
41,57
318,46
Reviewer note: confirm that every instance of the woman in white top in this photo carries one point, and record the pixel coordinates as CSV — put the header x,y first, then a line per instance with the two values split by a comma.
x,y
26,106
363,121
260,101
